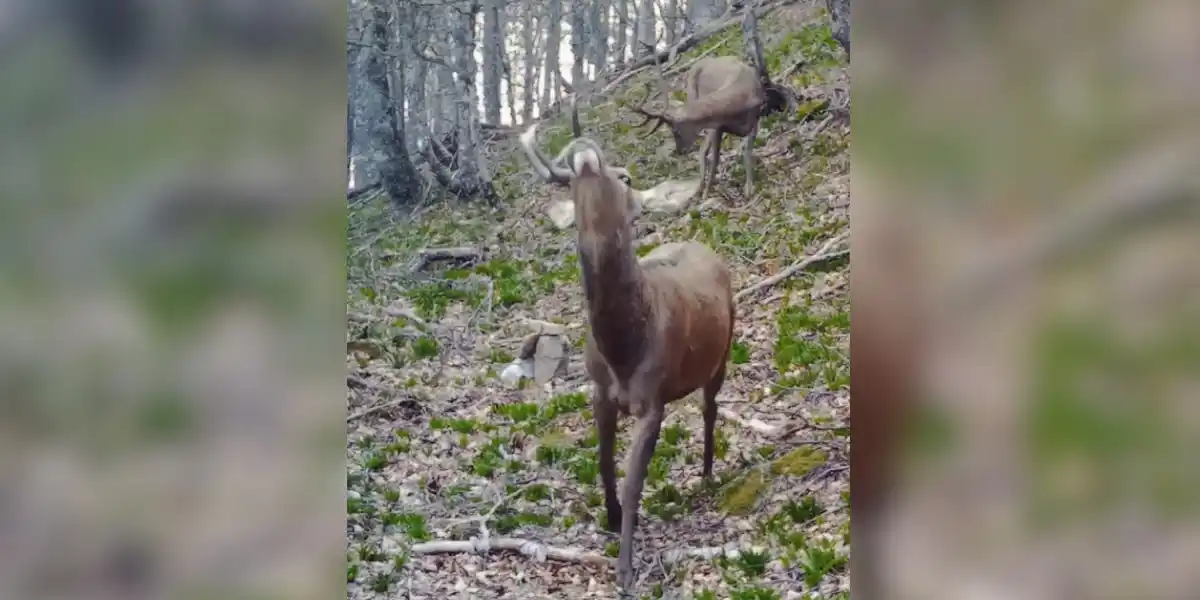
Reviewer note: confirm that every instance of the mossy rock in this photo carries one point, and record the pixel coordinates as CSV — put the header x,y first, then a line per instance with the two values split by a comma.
x,y
741,498
799,462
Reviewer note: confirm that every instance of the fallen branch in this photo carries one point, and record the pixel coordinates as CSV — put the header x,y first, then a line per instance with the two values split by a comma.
x,y
709,553
754,424
821,255
528,548
429,255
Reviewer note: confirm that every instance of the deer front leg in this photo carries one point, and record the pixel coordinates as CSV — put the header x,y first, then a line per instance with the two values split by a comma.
x,y
604,412
645,437
748,158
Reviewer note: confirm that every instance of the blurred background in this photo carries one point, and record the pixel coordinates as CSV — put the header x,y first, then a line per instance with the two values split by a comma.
x,y
173,236
1037,163
172,175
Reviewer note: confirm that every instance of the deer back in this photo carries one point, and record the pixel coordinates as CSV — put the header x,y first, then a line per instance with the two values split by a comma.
x,y
720,87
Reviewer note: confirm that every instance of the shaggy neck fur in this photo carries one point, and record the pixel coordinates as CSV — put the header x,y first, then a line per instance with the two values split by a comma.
x,y
618,307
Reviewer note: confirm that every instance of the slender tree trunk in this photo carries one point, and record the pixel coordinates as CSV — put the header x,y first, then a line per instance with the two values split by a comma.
x,y
621,23
493,58
599,37
550,93
671,21
418,112
839,14
529,79
579,41
646,33
397,173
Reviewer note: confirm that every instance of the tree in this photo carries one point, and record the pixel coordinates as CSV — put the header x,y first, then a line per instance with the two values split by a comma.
x,y
644,42
579,40
493,57
529,54
839,14
622,26
553,40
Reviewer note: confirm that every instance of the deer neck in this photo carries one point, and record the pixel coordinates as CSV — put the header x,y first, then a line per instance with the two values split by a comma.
x,y
614,288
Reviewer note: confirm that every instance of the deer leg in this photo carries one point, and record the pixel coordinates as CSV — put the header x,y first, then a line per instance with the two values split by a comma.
x,y
712,145
604,412
710,417
748,152
645,437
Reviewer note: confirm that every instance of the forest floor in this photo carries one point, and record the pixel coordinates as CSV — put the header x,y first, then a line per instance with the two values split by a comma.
x,y
439,448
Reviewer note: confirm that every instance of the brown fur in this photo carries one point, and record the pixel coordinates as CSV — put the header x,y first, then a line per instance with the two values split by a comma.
x,y
659,329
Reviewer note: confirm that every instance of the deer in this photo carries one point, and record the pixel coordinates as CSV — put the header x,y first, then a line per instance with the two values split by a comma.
x,y
659,328
724,96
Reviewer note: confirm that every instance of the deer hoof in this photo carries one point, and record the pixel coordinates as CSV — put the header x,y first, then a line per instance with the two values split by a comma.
x,y
625,575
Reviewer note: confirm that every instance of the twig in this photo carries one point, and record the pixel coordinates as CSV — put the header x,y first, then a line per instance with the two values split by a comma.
x,y
673,556
529,548
754,424
821,255
428,255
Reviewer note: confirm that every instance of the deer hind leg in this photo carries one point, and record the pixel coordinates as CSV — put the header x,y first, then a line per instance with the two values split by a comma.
x,y
709,156
604,412
710,417
748,158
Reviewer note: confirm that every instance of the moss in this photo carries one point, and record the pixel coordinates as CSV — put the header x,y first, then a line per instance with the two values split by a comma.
x,y
741,498
799,462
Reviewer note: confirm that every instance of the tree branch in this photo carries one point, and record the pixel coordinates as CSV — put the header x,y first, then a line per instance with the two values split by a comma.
x,y
526,547
822,254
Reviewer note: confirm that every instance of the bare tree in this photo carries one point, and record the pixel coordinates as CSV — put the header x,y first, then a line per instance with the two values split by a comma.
x,y
493,57
529,56
553,39
701,12
599,37
621,24
644,43
671,21
579,40
839,14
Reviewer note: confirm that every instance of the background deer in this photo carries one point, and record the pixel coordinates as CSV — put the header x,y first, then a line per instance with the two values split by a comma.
x,y
725,95
659,328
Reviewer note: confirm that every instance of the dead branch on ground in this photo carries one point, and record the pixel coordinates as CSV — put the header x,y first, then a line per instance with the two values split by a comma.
x,y
532,549
821,255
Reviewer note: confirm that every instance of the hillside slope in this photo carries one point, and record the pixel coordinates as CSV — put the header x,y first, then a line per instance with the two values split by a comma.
x,y
439,445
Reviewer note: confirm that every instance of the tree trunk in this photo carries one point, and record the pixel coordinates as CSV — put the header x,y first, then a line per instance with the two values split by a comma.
x,y
621,23
646,35
397,173
493,58
550,92
579,41
417,126
599,37
529,78
839,14
671,21
701,12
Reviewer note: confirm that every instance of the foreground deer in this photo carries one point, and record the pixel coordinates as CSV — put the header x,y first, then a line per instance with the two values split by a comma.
x,y
659,329
725,95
